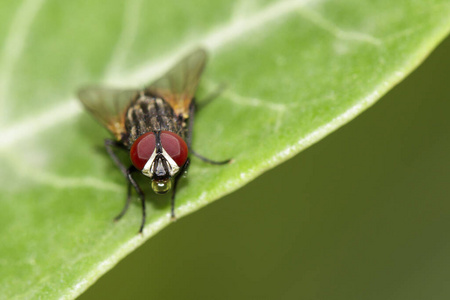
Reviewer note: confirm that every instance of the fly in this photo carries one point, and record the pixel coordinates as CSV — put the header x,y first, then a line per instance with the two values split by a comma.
x,y
154,125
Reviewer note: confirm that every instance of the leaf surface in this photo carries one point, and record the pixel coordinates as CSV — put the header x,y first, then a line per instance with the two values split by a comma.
x,y
294,71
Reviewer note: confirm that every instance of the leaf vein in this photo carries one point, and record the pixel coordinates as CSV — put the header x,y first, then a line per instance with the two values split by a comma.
x,y
126,38
14,45
336,31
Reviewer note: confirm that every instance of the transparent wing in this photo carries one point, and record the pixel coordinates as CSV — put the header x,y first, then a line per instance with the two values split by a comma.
x,y
179,84
108,106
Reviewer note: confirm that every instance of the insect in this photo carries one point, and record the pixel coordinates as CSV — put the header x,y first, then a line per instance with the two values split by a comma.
x,y
154,125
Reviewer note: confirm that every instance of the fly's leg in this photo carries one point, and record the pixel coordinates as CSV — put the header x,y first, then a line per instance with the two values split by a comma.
x,y
209,161
109,144
127,172
127,204
140,193
192,109
182,172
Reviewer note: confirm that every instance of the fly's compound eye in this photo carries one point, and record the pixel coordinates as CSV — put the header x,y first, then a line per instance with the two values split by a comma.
x,y
142,149
175,146
144,146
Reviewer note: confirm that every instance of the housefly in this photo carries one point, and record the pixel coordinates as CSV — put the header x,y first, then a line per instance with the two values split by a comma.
x,y
153,124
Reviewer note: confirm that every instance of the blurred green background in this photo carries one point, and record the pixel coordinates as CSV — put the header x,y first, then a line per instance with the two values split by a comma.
x,y
363,214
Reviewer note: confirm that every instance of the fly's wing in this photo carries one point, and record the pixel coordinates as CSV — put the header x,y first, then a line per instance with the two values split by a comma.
x,y
179,84
108,106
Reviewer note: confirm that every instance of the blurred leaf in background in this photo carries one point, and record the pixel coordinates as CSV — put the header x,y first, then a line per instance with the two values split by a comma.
x,y
295,71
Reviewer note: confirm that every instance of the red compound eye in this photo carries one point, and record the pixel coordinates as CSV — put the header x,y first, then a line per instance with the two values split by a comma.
x,y
142,149
144,146
175,146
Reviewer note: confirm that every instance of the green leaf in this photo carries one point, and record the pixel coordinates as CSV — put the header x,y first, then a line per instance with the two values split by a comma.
x,y
294,70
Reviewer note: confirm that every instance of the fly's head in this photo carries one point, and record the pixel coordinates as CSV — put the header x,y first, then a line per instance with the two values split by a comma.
x,y
160,156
